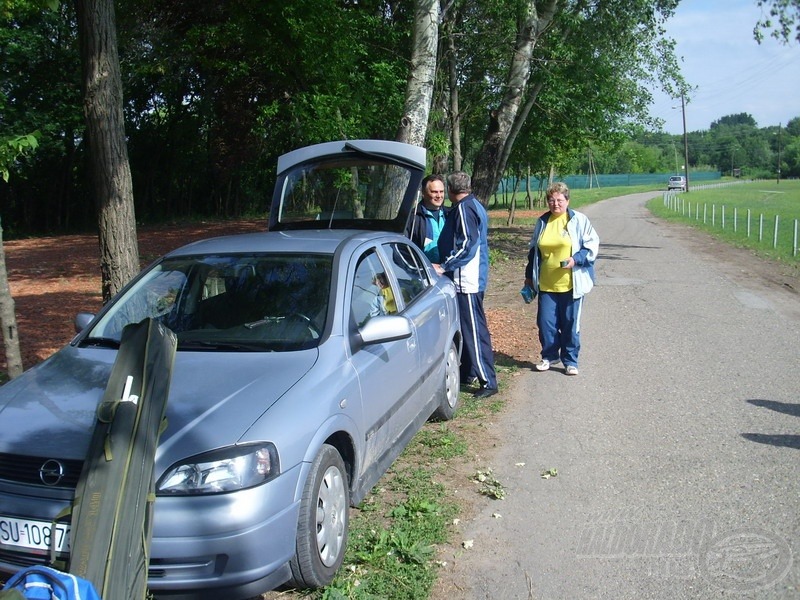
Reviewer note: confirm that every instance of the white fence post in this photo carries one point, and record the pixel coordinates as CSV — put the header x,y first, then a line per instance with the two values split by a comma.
x,y
775,234
748,222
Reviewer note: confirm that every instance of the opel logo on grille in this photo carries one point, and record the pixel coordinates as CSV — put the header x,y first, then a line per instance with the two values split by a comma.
x,y
51,472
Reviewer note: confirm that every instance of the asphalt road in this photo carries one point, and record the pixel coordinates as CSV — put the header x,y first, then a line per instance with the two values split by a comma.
x,y
677,448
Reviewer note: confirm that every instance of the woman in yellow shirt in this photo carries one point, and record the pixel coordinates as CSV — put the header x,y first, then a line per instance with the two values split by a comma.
x,y
560,270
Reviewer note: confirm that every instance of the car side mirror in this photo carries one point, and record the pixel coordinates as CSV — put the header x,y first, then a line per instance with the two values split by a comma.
x,y
388,328
82,320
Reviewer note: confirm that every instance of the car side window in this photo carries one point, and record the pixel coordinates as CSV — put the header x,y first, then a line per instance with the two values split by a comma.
x,y
372,293
409,269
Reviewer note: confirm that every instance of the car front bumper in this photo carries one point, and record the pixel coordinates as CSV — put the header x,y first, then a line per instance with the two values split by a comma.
x,y
231,545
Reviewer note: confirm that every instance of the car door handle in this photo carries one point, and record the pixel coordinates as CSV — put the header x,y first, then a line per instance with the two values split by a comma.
x,y
442,313
411,344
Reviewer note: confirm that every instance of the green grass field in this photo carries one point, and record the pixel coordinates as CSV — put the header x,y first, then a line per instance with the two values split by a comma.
x,y
723,211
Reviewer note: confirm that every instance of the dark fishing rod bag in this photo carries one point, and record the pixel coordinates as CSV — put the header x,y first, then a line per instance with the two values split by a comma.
x,y
111,524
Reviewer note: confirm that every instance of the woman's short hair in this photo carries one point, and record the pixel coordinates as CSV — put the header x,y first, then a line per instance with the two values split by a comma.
x,y
557,187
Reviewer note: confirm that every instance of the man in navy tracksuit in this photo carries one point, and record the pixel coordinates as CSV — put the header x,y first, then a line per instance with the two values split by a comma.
x,y
464,253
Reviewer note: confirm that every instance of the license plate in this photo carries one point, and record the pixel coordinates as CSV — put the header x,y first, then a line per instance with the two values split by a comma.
x,y
34,535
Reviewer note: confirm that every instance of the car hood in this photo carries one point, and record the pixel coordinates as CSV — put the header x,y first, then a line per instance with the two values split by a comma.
x,y
50,409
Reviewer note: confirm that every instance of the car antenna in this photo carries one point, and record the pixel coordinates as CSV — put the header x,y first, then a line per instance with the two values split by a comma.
x,y
333,210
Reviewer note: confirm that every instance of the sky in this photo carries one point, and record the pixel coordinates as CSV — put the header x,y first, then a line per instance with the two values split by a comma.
x,y
732,73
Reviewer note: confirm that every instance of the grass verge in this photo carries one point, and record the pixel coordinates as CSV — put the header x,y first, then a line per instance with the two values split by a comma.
x,y
742,215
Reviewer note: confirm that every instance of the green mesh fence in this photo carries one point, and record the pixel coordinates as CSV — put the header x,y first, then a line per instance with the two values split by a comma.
x,y
579,182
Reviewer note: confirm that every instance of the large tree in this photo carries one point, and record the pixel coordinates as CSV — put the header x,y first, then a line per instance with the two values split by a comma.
x,y
108,151
534,18
575,67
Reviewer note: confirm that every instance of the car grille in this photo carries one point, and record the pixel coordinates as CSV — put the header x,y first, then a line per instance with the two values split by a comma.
x,y
25,469
23,559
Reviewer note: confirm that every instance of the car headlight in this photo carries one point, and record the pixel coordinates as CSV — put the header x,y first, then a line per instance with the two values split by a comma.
x,y
226,470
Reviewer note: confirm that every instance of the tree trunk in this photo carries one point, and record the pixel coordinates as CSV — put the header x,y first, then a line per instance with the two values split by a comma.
x,y
419,90
487,172
519,121
8,319
108,153
455,111
512,208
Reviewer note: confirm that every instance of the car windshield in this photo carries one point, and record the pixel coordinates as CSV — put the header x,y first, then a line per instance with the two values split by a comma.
x,y
274,302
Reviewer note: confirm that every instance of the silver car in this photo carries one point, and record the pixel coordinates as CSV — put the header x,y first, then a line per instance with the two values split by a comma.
x,y
677,182
307,358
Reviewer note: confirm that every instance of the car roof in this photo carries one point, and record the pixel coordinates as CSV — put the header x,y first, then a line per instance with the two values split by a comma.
x,y
323,241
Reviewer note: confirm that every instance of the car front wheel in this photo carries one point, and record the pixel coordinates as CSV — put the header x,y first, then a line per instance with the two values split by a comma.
x,y
323,522
448,397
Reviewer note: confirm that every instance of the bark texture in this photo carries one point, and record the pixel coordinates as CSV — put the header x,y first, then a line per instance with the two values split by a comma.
x,y
8,320
108,152
419,89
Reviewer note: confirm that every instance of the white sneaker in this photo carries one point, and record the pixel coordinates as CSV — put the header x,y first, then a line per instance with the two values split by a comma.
x,y
545,364
571,370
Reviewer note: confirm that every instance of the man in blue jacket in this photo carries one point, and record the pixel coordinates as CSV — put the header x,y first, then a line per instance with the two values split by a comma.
x,y
464,253
429,217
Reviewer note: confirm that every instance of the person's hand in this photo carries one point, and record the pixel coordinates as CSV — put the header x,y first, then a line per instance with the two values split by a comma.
x,y
569,263
529,282
438,268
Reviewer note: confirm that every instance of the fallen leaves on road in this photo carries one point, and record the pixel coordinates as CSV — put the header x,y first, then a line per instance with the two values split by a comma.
x,y
489,486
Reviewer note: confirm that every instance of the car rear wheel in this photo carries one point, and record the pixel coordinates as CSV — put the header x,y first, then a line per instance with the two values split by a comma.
x,y
323,522
448,402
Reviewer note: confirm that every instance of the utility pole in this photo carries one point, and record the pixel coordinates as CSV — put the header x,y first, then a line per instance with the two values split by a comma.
x,y
779,153
686,144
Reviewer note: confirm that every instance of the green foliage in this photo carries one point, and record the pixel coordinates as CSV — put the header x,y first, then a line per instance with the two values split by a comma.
x,y
731,142
12,149
595,65
440,442
784,15
213,93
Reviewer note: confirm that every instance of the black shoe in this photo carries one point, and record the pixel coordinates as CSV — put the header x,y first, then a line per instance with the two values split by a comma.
x,y
485,392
